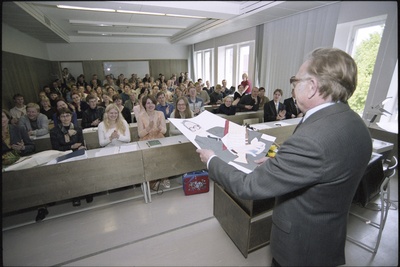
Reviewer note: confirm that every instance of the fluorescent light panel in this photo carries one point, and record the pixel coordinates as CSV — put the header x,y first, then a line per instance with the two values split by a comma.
x,y
124,33
86,8
121,24
128,12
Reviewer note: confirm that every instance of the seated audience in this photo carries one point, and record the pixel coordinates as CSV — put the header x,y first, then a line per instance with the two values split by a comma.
x,y
53,99
126,113
15,140
163,106
182,111
226,107
125,94
19,109
46,108
238,95
292,110
79,105
216,96
275,110
132,101
60,104
151,122
92,116
202,94
34,122
177,93
225,90
249,102
106,101
263,98
196,104
208,88
154,91
68,136
113,130
152,125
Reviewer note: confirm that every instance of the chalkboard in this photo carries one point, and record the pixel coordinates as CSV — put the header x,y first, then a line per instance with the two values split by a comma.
x,y
127,68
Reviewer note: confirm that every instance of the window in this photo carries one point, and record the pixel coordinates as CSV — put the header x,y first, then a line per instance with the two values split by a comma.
x,y
233,61
204,65
364,49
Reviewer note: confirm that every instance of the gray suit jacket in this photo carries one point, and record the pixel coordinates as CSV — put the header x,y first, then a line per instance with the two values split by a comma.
x,y
314,177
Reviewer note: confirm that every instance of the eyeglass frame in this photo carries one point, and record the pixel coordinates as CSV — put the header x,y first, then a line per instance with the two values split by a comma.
x,y
294,81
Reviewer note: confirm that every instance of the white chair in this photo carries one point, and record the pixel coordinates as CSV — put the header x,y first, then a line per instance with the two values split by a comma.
x,y
389,170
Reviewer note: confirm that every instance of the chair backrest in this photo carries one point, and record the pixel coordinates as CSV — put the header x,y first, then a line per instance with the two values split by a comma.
x,y
391,165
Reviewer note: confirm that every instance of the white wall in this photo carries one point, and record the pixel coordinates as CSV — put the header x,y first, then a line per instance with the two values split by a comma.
x,y
232,38
106,51
17,42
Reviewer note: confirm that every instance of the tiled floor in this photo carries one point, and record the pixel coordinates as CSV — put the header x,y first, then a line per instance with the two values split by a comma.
x,y
119,229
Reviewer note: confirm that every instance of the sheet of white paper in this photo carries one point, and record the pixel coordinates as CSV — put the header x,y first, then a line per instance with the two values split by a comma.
x,y
234,144
128,148
105,151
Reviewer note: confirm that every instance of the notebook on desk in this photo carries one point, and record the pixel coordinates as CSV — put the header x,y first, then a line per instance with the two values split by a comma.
x,y
75,155
151,143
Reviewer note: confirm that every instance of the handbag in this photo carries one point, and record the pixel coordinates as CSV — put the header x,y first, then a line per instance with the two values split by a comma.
x,y
196,182
10,157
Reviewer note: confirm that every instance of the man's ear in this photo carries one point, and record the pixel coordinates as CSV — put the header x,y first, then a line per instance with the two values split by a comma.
x,y
312,88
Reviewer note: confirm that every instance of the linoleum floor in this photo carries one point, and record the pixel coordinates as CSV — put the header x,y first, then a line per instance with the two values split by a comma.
x,y
119,229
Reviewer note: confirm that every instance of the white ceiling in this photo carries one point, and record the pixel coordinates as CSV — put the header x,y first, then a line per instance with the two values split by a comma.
x,y
49,24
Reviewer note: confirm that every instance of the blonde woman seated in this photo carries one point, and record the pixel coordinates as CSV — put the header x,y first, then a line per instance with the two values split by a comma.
x,y
182,111
113,130
151,125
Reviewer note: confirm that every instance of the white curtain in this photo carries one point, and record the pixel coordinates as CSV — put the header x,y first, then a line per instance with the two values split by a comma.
x,y
258,54
191,62
287,41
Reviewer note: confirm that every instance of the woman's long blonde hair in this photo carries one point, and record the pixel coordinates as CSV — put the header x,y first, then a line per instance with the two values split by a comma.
x,y
120,126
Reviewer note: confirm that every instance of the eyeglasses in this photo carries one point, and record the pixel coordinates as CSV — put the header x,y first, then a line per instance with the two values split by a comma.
x,y
294,81
65,116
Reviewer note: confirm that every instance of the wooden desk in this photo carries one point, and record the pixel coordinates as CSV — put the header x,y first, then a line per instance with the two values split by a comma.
x,y
50,183
176,155
240,116
90,136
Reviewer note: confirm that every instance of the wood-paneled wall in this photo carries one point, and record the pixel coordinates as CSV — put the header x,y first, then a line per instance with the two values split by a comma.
x,y
167,67
27,75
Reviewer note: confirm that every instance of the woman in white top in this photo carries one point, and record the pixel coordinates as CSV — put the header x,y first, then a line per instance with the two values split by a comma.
x,y
182,111
113,130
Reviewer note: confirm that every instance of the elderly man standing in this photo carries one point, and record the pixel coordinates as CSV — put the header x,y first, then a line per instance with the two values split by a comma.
x,y
317,170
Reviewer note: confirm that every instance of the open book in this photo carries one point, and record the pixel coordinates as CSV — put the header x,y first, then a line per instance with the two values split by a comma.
x,y
233,143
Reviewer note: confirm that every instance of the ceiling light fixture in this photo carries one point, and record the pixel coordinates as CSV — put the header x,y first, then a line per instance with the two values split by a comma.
x,y
125,34
86,8
122,24
185,16
128,12
141,13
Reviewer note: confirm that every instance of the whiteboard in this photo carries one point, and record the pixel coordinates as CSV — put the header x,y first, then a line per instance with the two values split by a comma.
x,y
127,68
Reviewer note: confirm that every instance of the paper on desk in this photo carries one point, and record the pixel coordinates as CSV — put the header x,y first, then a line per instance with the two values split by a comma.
x,y
41,158
128,148
87,130
260,126
105,151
